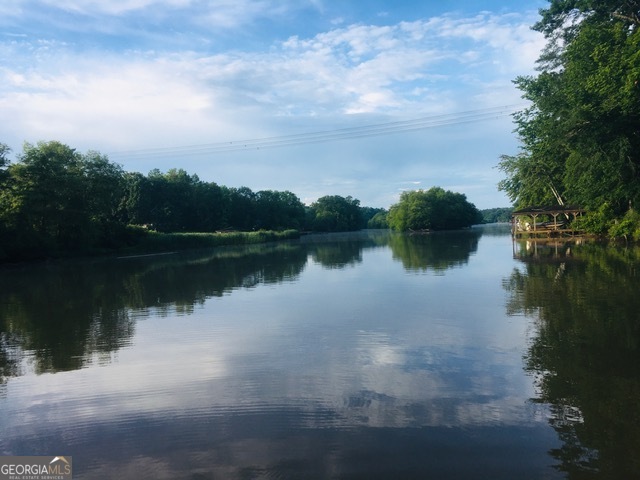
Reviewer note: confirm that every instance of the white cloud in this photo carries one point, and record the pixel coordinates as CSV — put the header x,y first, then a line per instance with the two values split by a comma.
x,y
111,103
112,7
10,8
207,13
234,13
510,43
356,68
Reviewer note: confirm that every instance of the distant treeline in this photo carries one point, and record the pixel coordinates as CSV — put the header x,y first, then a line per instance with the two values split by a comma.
x,y
496,215
55,200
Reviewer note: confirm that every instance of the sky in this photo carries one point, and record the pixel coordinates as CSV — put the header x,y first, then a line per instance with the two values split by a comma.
x,y
319,97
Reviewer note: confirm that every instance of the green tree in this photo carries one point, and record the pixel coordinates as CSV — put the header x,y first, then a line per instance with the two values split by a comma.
x,y
379,220
178,202
368,213
493,215
434,209
581,135
136,201
241,205
4,182
413,212
172,208
104,186
5,201
47,196
209,206
333,213
4,160
56,199
278,210
171,202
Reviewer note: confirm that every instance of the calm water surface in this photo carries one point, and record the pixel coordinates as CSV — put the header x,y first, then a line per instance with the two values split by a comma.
x,y
372,355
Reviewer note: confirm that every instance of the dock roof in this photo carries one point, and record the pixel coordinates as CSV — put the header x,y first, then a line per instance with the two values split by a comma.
x,y
549,210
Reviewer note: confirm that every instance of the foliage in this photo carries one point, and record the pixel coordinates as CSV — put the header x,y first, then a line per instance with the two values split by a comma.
x,y
178,202
628,227
279,210
333,213
240,205
434,209
581,134
4,160
597,222
496,215
369,213
56,199
5,233
172,202
379,220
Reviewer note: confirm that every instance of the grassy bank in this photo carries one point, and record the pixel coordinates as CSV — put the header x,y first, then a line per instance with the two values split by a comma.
x,y
153,241
133,240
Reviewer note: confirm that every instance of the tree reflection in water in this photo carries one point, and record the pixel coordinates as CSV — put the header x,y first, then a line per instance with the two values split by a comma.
x,y
585,351
438,251
67,315
71,314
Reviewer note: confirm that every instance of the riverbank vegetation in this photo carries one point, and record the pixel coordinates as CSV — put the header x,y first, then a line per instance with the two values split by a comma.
x,y
581,133
55,201
152,241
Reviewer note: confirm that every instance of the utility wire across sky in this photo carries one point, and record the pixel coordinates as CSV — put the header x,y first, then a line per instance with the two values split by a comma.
x,y
282,141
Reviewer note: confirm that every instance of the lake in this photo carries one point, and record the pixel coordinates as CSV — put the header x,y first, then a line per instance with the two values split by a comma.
x,y
365,355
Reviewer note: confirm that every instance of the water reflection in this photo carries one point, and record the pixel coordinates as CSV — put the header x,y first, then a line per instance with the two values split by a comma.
x,y
10,358
436,251
313,359
585,351
340,250
63,315
71,314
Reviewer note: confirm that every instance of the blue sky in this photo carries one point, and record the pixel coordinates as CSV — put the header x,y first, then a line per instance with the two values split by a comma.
x,y
167,83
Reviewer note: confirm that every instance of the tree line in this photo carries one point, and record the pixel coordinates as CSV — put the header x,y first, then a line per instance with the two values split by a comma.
x,y
581,134
496,215
55,199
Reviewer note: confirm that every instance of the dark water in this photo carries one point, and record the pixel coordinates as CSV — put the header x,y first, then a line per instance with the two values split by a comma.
x,y
457,355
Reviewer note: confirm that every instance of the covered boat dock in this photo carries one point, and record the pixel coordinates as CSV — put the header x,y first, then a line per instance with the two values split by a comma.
x,y
536,222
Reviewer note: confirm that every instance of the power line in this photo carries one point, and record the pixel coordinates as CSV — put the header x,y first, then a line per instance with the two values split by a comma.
x,y
350,133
